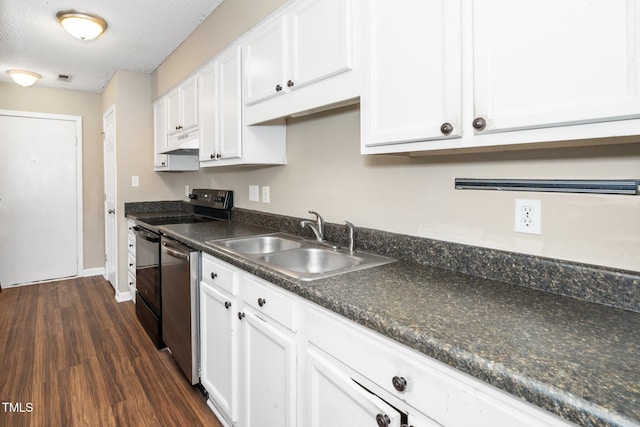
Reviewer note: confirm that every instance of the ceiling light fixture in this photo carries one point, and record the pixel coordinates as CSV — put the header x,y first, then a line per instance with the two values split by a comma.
x,y
24,78
82,25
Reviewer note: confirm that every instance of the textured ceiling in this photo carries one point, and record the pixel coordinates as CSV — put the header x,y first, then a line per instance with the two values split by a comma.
x,y
140,36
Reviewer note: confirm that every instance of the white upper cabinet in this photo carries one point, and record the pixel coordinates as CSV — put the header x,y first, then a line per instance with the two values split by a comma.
x,y
318,52
182,108
220,107
265,62
495,74
302,60
224,139
161,161
549,63
413,73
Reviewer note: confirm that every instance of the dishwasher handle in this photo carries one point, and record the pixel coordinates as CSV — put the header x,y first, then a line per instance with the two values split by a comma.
x,y
174,252
146,235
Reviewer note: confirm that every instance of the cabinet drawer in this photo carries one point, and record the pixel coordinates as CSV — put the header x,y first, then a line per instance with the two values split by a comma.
x,y
131,263
131,281
444,394
271,302
131,243
220,274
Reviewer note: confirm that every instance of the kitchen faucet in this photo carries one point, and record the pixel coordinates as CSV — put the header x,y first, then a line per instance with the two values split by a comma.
x,y
317,227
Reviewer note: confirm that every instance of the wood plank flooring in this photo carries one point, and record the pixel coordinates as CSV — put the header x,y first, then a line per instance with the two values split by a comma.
x,y
70,355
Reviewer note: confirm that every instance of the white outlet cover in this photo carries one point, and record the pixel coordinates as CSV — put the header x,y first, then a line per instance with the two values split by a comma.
x,y
265,194
528,216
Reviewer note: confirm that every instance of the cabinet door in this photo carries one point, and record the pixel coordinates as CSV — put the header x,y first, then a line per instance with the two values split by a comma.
x,y
173,119
159,133
207,99
413,78
336,400
264,62
321,41
229,104
219,355
548,63
269,369
189,104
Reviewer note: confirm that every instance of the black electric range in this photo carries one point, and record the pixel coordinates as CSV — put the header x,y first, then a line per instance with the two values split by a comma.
x,y
208,205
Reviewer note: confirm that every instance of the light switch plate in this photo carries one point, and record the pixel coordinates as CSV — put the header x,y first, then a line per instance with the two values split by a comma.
x,y
135,181
254,193
265,194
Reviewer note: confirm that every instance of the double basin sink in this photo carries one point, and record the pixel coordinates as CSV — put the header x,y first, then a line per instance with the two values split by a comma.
x,y
299,258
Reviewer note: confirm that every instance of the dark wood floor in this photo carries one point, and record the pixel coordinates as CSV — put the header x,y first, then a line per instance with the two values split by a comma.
x,y
70,355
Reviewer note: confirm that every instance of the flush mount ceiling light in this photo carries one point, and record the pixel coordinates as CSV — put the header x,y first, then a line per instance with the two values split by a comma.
x,y
24,78
82,25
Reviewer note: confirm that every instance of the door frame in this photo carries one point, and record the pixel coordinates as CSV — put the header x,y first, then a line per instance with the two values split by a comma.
x,y
79,189
114,261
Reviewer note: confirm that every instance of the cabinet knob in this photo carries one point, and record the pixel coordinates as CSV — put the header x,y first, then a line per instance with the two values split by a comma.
x,y
214,275
111,211
163,164
212,156
130,264
399,383
261,301
278,88
290,83
130,245
240,315
446,128
218,155
479,123
227,304
383,420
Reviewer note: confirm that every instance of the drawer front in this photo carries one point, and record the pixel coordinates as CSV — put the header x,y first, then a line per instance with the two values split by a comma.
x,y
444,394
271,302
131,263
220,274
131,243
131,282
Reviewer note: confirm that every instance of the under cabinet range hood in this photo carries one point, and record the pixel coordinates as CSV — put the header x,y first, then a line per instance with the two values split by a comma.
x,y
184,143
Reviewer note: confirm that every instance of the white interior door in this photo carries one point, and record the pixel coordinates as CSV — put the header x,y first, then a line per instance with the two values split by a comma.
x,y
40,222
110,218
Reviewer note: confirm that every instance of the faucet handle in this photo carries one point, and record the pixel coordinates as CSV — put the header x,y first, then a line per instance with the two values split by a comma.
x,y
319,220
352,236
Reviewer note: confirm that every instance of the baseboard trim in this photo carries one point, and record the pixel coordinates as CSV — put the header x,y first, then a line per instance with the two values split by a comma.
x,y
93,272
123,296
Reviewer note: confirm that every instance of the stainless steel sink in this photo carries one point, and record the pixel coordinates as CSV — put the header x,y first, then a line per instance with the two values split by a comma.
x,y
263,244
298,258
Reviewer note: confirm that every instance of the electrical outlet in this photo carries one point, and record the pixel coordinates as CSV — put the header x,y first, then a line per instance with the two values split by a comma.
x,y
265,194
528,216
135,181
254,195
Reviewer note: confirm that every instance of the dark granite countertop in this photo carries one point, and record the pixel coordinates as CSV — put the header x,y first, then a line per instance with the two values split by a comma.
x,y
574,358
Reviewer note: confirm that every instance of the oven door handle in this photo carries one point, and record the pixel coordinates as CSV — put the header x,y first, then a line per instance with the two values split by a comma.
x,y
174,253
144,234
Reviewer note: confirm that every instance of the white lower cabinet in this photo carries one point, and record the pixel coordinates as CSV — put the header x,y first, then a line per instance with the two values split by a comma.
x,y
271,358
268,365
334,399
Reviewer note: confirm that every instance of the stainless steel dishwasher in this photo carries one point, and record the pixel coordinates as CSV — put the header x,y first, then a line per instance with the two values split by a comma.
x,y
179,271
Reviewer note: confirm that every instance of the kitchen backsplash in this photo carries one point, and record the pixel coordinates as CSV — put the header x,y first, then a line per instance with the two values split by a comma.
x,y
601,285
